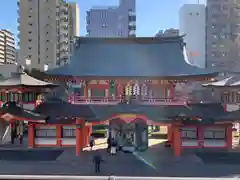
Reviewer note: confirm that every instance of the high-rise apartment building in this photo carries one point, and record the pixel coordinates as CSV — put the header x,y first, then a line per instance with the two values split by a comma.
x,y
119,21
7,47
192,24
168,33
223,30
47,28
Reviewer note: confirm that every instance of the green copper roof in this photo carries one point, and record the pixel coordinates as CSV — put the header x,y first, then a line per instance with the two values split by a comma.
x,y
130,57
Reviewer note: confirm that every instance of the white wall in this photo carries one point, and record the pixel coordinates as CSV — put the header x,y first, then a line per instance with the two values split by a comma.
x,y
192,24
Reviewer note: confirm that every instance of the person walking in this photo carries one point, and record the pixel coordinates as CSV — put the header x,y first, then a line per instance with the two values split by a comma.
x,y
113,147
97,161
109,144
91,142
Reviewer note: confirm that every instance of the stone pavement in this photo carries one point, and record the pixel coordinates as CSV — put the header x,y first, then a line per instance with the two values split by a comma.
x,y
163,161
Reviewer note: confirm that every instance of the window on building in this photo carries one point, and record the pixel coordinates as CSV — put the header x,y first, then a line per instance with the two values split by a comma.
x,y
30,24
69,131
29,40
214,36
214,45
197,14
46,132
29,48
210,133
189,133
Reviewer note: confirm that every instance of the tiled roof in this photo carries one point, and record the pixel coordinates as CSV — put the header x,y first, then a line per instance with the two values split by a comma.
x,y
22,79
13,110
63,110
130,57
226,81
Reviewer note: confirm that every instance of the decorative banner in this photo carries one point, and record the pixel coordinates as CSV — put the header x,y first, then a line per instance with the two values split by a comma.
x,y
144,90
136,89
128,90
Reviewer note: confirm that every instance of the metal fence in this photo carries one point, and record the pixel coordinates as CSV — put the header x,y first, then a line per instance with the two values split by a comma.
x,y
38,177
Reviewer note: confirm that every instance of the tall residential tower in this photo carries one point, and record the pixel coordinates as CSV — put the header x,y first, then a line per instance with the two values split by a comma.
x,y
119,21
7,47
192,26
47,28
222,30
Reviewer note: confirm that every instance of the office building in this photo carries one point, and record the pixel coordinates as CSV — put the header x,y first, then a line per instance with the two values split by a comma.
x,y
47,28
168,33
192,25
222,30
119,21
7,47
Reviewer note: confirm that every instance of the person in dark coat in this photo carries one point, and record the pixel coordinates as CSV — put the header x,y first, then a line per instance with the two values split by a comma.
x,y
97,161
13,135
109,142
113,147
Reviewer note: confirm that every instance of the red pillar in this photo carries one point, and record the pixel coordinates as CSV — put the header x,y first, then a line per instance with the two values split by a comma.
x,y
200,136
59,135
31,135
78,137
177,141
229,136
84,135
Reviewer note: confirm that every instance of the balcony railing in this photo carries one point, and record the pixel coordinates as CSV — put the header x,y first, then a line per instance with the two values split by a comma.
x,y
76,99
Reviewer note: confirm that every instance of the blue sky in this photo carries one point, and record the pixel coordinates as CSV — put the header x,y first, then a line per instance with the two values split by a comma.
x,y
152,15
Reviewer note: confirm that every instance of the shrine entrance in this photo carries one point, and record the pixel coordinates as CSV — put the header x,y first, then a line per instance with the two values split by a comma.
x,y
130,132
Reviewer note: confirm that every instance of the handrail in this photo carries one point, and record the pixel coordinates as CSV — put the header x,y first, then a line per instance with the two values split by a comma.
x,y
53,177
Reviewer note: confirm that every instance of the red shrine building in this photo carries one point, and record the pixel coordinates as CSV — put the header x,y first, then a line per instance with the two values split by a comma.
x,y
127,83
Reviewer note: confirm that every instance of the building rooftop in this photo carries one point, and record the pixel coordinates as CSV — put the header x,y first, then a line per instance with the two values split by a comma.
x,y
130,58
22,79
226,81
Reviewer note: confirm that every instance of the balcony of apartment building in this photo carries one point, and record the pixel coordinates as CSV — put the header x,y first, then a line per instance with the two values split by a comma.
x,y
132,33
64,26
64,19
64,10
64,38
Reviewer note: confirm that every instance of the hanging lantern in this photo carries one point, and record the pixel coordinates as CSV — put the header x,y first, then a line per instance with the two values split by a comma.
x,y
112,85
128,90
144,90
136,89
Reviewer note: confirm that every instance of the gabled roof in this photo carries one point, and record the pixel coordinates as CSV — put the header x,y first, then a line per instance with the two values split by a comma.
x,y
226,81
129,58
10,111
22,79
62,110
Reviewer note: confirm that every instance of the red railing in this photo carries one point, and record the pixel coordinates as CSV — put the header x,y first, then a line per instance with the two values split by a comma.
x,y
115,100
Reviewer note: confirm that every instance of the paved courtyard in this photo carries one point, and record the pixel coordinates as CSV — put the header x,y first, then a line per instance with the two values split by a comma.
x,y
157,161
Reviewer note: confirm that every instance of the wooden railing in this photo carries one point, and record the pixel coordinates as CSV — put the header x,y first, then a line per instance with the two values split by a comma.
x,y
118,99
